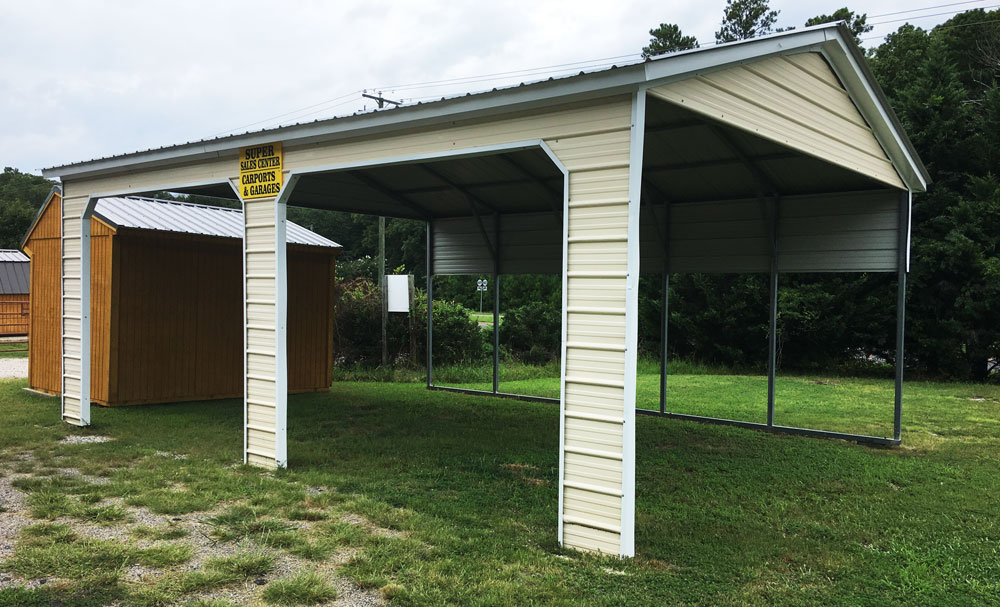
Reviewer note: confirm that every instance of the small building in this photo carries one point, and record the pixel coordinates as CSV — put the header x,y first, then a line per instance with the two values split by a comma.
x,y
13,293
167,302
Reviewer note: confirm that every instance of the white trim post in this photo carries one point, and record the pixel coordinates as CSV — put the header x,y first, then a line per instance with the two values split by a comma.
x,y
637,141
84,315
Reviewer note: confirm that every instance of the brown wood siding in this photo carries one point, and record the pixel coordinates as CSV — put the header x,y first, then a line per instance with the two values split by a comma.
x,y
180,325
44,335
14,314
166,317
101,243
310,319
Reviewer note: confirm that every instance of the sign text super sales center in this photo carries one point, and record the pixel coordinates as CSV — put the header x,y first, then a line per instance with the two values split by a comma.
x,y
260,171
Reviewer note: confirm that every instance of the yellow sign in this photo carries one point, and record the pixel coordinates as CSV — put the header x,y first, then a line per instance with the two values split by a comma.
x,y
260,171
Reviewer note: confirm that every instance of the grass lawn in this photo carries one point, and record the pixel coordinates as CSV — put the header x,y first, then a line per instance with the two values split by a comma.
x,y
484,317
13,349
456,498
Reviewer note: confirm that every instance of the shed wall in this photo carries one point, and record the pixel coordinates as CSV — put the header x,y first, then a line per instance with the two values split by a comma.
x,y
198,354
14,314
44,351
170,336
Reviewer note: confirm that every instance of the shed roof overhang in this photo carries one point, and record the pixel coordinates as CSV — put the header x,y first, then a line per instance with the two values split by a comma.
x,y
833,41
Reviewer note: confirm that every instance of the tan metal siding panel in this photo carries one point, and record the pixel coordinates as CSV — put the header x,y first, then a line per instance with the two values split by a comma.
x,y
852,232
551,124
596,263
772,99
72,210
847,232
530,243
261,333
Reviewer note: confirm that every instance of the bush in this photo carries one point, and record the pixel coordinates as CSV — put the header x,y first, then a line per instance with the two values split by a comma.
x,y
457,338
532,332
357,340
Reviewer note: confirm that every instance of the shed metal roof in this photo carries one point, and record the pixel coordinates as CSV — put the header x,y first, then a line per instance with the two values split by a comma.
x,y
172,216
14,272
12,255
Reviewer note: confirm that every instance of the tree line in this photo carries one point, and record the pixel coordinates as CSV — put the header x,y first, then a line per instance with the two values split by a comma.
x,y
941,82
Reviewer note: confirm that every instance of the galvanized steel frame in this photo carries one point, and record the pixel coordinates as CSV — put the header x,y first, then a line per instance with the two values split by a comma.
x,y
903,244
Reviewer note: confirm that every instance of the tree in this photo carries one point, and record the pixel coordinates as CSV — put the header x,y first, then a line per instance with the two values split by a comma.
x,y
21,194
668,38
742,19
856,23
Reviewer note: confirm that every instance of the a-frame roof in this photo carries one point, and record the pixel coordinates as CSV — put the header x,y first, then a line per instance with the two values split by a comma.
x,y
833,41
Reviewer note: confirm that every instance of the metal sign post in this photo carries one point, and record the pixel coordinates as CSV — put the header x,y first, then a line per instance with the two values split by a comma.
x,y
481,286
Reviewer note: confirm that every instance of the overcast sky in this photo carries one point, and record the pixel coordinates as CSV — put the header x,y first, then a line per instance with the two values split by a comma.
x,y
88,79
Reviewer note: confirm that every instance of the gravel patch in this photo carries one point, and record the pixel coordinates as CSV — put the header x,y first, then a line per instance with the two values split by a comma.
x,y
13,504
13,368
14,518
83,439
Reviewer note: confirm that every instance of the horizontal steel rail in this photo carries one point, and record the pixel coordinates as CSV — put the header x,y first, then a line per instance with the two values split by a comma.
x,y
522,397
847,436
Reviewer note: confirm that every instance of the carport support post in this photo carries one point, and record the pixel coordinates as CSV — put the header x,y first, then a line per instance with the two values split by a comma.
x,y
664,329
77,413
903,257
430,304
265,303
496,303
772,325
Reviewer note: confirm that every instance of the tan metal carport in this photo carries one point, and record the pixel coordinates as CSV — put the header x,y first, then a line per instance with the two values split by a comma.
x,y
774,154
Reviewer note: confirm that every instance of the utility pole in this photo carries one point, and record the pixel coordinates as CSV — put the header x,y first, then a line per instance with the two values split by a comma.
x,y
382,289
380,100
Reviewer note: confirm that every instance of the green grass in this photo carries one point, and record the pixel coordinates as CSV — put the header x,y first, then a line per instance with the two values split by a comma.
x,y
49,550
466,487
307,588
13,349
486,317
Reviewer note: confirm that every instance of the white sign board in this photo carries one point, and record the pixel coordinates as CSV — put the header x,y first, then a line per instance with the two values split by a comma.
x,y
398,292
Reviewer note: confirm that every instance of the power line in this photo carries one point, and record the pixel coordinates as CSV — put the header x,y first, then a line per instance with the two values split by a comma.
x,y
949,27
926,8
952,13
499,74
308,107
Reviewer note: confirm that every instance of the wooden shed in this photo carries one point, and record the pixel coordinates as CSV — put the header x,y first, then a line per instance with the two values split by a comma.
x,y
166,304
13,293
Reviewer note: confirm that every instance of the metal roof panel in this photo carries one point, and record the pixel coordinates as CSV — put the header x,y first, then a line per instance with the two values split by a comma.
x,y
172,216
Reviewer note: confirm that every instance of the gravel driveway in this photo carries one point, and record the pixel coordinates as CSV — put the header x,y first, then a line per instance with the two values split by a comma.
x,y
13,367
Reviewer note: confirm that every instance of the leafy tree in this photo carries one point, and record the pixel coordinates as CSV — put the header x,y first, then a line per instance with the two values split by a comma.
x,y
668,38
21,194
943,85
742,19
856,23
